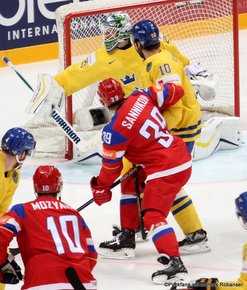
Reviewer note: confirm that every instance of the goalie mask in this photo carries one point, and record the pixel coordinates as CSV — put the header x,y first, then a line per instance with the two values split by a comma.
x,y
47,180
110,92
116,29
241,209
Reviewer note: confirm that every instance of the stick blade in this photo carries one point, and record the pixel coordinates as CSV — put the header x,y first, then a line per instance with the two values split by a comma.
x,y
73,279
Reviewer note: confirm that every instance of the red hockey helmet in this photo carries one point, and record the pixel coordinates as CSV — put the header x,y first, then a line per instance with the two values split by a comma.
x,y
47,179
110,92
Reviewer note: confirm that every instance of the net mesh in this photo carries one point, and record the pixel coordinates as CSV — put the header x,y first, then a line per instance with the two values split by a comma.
x,y
202,30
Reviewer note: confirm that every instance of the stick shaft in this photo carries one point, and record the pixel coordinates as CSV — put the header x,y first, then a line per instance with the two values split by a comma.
x,y
19,74
134,170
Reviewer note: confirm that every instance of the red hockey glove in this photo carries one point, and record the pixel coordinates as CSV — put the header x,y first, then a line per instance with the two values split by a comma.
x,y
101,194
10,271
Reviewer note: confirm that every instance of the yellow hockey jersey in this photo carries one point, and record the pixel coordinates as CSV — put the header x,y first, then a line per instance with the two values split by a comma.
x,y
241,283
119,64
124,66
168,45
184,118
8,183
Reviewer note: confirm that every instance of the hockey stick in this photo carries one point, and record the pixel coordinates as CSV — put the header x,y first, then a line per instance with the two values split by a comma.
x,y
144,233
67,129
14,251
73,278
90,156
10,64
132,171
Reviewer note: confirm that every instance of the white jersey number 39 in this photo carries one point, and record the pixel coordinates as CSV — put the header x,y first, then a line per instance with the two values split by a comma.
x,y
164,138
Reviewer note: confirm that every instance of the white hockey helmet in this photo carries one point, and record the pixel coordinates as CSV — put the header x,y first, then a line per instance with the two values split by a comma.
x,y
116,29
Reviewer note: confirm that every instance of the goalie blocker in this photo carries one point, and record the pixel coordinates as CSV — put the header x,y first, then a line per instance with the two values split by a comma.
x,y
49,96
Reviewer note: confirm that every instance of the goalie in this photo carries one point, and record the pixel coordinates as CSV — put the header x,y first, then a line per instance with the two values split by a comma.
x,y
119,59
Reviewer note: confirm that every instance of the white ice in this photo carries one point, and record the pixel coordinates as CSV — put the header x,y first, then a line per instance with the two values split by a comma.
x,y
215,183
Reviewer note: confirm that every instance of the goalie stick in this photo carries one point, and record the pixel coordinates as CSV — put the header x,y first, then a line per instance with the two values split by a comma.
x,y
121,179
73,279
10,64
90,156
67,129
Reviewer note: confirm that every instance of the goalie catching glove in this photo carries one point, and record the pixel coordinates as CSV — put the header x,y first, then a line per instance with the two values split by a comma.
x,y
204,82
101,194
47,96
10,271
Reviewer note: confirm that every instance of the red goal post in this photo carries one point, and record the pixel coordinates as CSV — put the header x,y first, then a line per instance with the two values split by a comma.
x,y
206,31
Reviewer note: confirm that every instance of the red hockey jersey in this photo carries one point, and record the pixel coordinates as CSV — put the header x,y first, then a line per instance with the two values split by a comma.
x,y
51,237
139,132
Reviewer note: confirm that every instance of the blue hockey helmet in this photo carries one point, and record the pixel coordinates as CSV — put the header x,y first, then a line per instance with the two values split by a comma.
x,y
241,209
146,32
16,140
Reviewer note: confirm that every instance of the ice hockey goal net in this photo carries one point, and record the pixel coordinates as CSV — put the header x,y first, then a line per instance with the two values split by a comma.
x,y
206,31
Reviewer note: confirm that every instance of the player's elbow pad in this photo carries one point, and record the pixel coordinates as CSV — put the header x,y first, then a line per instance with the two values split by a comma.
x,y
175,93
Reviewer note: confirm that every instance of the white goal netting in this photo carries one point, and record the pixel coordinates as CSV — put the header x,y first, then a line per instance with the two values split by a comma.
x,y
202,29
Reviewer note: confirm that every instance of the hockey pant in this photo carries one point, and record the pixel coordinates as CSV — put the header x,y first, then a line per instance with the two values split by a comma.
x,y
159,195
182,209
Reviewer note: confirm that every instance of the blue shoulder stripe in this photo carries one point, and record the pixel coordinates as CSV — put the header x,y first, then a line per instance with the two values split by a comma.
x,y
19,210
110,136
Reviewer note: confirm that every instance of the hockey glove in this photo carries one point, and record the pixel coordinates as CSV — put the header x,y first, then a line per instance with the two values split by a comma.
x,y
49,95
204,82
101,194
10,271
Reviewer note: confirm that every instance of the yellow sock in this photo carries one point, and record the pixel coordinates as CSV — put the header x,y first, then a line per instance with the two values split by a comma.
x,y
185,213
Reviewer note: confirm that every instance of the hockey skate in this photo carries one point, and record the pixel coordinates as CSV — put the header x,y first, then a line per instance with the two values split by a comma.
x,y
173,272
120,247
194,243
139,235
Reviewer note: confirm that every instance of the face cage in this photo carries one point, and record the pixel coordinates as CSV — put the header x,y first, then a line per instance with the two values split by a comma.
x,y
111,37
